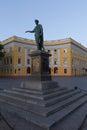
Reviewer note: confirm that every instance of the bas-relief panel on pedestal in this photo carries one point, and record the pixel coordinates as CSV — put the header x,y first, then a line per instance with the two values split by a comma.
x,y
35,64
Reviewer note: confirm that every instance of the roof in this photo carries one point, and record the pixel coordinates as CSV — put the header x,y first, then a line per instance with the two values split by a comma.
x,y
51,42
18,39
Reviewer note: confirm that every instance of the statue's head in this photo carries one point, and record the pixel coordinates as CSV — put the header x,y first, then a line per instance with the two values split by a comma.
x,y
36,21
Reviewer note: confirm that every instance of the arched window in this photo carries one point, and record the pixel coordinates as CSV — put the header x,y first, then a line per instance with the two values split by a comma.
x,y
55,70
28,70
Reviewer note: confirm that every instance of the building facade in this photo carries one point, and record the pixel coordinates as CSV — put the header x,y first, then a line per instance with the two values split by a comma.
x,y
69,58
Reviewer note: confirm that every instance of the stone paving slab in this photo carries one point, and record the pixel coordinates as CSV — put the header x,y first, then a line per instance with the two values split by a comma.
x,y
84,123
4,124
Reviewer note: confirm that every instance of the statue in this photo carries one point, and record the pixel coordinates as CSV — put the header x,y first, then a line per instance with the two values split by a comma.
x,y
38,30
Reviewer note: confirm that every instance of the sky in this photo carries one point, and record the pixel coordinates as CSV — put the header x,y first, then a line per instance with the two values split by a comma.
x,y
60,19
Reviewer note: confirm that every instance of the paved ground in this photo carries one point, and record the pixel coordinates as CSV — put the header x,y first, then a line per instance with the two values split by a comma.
x,y
3,124
81,82
70,82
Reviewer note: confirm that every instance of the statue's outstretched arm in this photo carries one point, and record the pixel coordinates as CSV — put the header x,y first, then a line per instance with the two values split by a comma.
x,y
30,31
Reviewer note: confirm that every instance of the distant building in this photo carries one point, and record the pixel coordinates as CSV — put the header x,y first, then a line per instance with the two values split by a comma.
x,y
69,58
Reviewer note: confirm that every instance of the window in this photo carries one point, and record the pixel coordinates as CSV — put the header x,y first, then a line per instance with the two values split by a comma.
x,y
28,50
65,61
19,71
55,61
49,51
28,70
55,51
10,60
4,61
55,70
7,49
7,60
5,71
15,71
28,61
65,50
0,62
10,49
10,71
19,60
65,71
19,49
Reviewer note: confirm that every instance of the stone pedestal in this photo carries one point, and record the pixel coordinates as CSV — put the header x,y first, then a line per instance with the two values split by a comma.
x,y
40,65
40,78
39,62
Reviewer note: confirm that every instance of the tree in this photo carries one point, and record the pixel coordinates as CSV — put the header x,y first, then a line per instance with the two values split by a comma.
x,y
2,53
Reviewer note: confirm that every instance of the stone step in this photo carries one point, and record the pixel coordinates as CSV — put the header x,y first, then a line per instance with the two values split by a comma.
x,y
23,99
39,96
43,111
38,102
45,122
46,92
30,91
60,98
73,121
56,117
61,105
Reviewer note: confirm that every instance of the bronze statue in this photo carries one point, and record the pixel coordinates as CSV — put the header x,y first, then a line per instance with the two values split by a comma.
x,y
38,30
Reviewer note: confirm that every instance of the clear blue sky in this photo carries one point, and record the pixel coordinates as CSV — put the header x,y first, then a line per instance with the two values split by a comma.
x,y
60,18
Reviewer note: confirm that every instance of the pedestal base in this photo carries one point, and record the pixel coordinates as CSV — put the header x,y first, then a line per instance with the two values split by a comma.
x,y
39,85
40,78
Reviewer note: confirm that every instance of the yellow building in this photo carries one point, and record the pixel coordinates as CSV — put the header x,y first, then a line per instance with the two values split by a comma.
x,y
69,58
